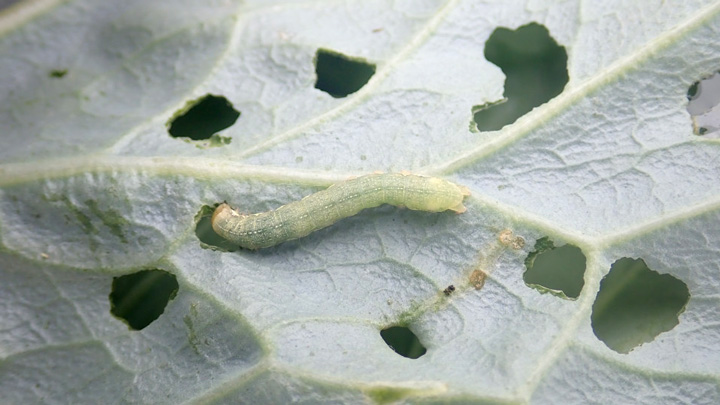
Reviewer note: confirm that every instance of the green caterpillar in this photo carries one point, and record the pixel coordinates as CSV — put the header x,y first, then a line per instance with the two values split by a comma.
x,y
324,208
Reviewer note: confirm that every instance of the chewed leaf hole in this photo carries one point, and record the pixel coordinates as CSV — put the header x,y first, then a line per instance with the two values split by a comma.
x,y
200,120
140,298
704,106
403,341
635,304
206,235
535,69
340,75
557,270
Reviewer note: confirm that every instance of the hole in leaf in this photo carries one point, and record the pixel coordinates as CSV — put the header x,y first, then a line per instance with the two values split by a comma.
x,y
535,68
58,73
208,237
557,270
704,106
140,298
200,120
340,75
403,341
635,304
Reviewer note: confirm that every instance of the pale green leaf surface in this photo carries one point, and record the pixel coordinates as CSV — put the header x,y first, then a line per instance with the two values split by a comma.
x,y
93,187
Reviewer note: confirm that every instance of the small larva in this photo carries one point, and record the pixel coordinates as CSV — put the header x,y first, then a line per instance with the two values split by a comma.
x,y
324,208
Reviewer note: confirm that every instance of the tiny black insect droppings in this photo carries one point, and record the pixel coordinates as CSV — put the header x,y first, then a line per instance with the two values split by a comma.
x,y
449,290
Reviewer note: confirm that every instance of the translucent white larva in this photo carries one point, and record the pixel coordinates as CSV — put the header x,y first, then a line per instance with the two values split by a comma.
x,y
322,209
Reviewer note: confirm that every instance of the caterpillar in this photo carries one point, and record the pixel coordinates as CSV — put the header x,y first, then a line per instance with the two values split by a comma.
x,y
341,200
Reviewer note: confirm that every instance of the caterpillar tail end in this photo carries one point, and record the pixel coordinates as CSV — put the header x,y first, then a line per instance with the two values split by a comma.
x,y
459,209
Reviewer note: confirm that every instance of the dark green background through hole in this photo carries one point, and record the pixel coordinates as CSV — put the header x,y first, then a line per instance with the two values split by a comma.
x,y
635,304
340,75
140,298
557,270
535,67
207,235
203,118
403,341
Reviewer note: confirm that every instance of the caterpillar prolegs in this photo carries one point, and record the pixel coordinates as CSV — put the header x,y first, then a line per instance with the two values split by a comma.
x,y
341,200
